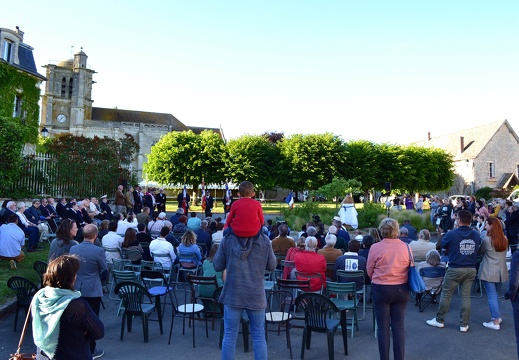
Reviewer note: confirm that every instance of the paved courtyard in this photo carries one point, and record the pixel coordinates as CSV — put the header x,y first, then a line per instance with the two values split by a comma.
x,y
422,341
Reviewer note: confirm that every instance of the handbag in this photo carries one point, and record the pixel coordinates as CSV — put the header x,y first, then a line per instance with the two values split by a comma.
x,y
17,355
414,280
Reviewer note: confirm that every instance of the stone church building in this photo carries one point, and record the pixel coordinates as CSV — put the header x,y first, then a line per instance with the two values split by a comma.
x,y
67,108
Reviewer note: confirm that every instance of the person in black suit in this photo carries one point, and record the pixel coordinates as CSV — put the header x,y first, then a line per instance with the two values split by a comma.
x,y
137,199
180,198
74,213
49,217
209,203
105,209
61,208
161,199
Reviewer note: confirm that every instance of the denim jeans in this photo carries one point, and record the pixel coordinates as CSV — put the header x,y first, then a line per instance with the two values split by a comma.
x,y
515,309
232,318
492,289
390,302
454,277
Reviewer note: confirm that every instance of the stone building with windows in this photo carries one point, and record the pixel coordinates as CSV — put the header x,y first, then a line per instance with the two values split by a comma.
x,y
67,108
19,81
483,156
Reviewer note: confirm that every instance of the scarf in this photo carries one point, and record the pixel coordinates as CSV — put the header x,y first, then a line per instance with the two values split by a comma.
x,y
47,307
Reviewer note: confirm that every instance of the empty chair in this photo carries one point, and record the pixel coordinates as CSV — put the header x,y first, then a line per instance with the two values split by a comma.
x,y
359,278
279,308
132,296
317,310
208,302
157,285
40,267
186,307
24,290
119,276
345,299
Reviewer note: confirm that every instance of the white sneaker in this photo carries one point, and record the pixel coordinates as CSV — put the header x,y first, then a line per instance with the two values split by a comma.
x,y
500,321
464,328
491,325
435,323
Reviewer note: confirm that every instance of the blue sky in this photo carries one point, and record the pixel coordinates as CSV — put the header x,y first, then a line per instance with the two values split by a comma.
x,y
378,70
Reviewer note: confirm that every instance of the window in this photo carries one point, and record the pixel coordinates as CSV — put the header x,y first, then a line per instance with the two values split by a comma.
x,y
18,105
70,85
491,170
8,51
517,170
63,87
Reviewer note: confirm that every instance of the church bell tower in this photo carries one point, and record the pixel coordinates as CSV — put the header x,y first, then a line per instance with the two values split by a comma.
x,y
67,101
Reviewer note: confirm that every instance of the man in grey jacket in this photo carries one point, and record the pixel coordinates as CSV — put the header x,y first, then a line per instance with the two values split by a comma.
x,y
245,261
92,272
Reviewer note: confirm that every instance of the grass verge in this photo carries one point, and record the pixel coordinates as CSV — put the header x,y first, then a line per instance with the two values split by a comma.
x,y
25,270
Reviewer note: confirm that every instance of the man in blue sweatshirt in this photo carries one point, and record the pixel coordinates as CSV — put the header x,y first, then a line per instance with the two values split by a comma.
x,y
462,245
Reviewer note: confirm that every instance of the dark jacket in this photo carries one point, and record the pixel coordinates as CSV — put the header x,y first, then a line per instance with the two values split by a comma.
x,y
463,245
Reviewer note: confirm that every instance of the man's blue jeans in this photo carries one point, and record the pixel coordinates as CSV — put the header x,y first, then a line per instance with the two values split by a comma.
x,y
232,318
492,289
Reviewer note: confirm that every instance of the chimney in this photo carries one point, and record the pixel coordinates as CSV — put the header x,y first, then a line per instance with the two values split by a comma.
x,y
462,144
429,136
20,32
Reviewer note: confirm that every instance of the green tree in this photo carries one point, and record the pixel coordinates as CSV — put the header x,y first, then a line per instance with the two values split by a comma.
x,y
309,161
83,165
185,157
363,163
339,188
253,158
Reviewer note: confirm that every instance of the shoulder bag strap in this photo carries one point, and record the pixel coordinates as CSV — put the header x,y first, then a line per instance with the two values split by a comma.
x,y
24,328
411,260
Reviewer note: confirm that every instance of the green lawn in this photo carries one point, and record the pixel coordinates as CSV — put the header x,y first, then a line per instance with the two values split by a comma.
x,y
25,269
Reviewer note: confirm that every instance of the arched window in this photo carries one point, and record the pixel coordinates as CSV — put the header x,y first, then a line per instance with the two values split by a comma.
x,y
63,87
70,85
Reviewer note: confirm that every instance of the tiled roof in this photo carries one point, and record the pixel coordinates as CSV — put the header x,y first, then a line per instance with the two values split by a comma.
x,y
119,115
198,130
474,140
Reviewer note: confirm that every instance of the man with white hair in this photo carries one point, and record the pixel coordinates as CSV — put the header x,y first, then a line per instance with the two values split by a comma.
x,y
175,218
330,254
120,200
31,230
157,225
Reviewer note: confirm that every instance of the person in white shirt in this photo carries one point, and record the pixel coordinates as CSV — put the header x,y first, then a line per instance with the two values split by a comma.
x,y
129,222
112,241
12,239
161,246
156,226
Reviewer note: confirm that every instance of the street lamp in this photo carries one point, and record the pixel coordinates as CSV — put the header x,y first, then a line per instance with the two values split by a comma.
x,y
45,132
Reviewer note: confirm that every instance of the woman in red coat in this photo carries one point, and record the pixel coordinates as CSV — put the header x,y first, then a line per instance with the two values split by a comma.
x,y
309,261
